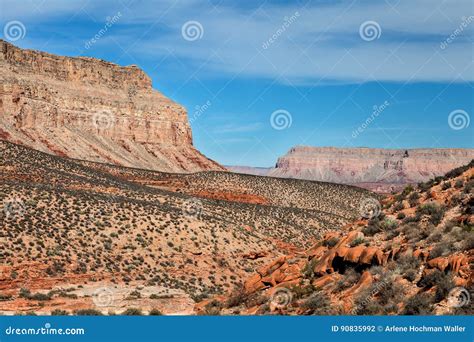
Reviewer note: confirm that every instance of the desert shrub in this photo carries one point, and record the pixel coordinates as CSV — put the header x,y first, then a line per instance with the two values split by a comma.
x,y
59,312
448,226
349,279
213,308
372,228
398,206
459,183
303,291
468,186
135,294
440,249
409,266
330,242
389,224
237,298
411,219
468,244
446,185
25,293
263,309
419,304
435,237
4,297
413,232
308,270
88,312
132,312
408,189
317,304
40,296
413,199
441,280
435,211
424,186
381,297
400,197
155,312
401,216
357,242
200,296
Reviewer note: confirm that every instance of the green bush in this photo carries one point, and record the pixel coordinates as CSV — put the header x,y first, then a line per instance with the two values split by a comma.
x,y
132,312
59,312
213,308
398,206
357,242
401,216
419,304
318,304
442,281
435,211
331,242
413,199
4,297
88,312
409,267
155,312
389,224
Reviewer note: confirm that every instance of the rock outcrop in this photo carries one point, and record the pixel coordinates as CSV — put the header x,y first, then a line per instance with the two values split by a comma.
x,y
381,170
91,109
415,259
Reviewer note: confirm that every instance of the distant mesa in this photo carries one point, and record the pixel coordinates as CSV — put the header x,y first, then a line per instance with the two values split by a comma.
x,y
90,109
376,169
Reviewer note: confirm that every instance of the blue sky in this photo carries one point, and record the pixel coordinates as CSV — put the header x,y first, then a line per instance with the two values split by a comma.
x,y
321,65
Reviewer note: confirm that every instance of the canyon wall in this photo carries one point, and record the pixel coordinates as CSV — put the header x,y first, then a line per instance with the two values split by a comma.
x,y
381,170
91,109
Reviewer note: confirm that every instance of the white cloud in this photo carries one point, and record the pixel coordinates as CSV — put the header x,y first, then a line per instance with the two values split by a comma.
x,y
322,45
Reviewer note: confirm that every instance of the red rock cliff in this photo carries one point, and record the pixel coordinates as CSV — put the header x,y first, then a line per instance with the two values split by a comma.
x,y
95,110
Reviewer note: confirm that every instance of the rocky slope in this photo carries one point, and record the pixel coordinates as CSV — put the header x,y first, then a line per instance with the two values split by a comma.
x,y
80,235
381,170
94,110
249,170
416,256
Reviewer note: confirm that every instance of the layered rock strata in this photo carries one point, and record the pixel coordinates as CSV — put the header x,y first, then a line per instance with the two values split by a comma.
x,y
91,109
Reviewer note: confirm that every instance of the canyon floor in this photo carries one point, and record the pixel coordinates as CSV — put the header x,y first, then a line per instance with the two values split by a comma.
x,y
84,237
